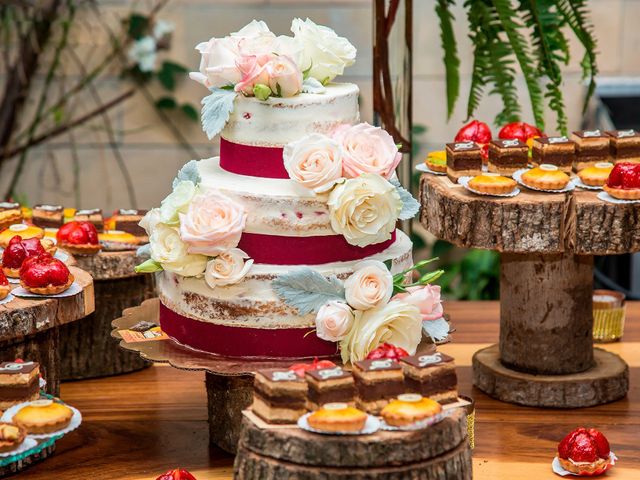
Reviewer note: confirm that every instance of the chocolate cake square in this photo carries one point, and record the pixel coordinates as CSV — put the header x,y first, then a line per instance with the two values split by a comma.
x,y
127,220
328,385
279,396
558,151
377,382
592,146
463,159
507,156
431,375
19,382
93,215
48,216
10,213
624,145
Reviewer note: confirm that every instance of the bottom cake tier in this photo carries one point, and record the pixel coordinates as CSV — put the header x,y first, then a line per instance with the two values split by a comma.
x,y
248,319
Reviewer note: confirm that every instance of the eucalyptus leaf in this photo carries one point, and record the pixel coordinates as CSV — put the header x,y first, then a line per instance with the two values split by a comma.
x,y
307,290
410,206
189,172
216,109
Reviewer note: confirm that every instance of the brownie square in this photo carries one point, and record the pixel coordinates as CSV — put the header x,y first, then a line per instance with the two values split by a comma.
x,y
279,396
328,385
127,220
463,159
377,382
48,216
592,146
507,156
624,145
431,375
558,151
19,382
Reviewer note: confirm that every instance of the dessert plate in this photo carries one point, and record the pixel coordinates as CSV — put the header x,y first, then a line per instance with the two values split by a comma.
x,y
464,181
421,425
422,167
578,183
74,289
604,196
372,425
517,176
558,470
7,299
75,422
28,443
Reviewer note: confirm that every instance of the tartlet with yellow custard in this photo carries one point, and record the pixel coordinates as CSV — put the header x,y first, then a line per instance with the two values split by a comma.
x,y
25,231
43,416
437,161
596,176
492,184
408,409
545,177
11,436
337,417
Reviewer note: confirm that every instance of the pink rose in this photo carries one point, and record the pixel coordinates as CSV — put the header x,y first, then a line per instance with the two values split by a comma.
x,y
426,298
314,161
285,78
213,224
253,69
333,321
367,149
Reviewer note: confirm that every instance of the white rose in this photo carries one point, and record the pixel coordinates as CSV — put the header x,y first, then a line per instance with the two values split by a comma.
x,y
177,201
333,321
364,209
397,323
314,161
370,285
227,268
323,50
150,220
218,62
171,252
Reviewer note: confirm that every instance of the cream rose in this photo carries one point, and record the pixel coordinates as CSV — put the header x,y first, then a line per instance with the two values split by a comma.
x,y
426,298
370,285
314,161
227,268
397,323
170,251
150,220
213,223
254,72
218,62
285,78
323,50
333,321
367,149
177,201
364,209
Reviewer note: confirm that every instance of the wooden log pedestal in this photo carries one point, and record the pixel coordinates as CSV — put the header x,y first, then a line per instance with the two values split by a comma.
x,y
545,356
87,349
29,328
440,452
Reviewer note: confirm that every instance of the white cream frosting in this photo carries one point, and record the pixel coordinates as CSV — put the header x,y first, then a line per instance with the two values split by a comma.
x,y
252,302
278,121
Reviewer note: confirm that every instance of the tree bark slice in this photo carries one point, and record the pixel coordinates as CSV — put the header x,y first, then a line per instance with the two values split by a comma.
x,y
27,461
606,382
110,265
438,452
546,315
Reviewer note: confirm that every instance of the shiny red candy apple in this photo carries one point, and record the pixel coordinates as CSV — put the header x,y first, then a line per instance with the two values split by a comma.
x,y
519,130
386,350
478,132
42,271
625,175
78,233
301,368
584,445
176,474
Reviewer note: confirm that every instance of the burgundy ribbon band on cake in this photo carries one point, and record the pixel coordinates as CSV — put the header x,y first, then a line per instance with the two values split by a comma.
x,y
279,250
252,160
244,342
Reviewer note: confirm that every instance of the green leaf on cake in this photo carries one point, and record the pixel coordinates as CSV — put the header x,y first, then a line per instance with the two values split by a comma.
x,y
189,172
307,290
410,206
216,109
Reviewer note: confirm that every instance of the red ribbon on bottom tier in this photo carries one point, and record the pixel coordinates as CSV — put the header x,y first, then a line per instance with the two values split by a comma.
x,y
244,342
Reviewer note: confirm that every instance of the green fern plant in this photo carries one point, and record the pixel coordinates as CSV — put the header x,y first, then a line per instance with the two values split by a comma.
x,y
526,34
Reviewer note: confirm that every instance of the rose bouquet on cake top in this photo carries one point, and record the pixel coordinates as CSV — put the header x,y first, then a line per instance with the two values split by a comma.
x,y
254,62
195,233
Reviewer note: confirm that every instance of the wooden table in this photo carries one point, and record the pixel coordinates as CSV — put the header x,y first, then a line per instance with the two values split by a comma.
x,y
141,424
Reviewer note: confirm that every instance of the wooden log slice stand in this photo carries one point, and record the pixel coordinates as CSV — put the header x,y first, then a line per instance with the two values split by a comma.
x,y
87,348
547,241
26,462
439,452
30,328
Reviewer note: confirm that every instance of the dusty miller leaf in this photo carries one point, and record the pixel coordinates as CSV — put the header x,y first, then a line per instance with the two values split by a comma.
x,y
410,205
189,172
216,109
307,290
312,85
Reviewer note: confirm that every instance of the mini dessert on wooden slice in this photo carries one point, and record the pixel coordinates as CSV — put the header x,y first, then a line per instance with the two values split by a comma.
x,y
19,383
377,381
279,396
508,156
117,240
463,160
624,145
492,184
11,436
25,231
19,250
545,177
329,385
45,275
10,213
592,146
437,161
128,221
5,289
43,416
558,151
478,132
408,409
584,452
79,238
520,131
432,375
48,216
93,215
337,417
624,181
596,176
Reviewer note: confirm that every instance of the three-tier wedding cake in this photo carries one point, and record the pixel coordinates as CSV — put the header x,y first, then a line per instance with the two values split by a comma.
x,y
286,244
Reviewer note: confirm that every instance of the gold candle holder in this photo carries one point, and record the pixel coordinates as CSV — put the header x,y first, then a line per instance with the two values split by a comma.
x,y
608,315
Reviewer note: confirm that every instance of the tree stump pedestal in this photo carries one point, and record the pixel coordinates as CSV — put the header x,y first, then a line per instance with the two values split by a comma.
x,y
547,241
87,349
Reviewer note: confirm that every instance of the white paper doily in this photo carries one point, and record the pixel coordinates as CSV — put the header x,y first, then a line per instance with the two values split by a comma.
x,y
464,181
558,470
13,280
605,197
75,422
372,425
74,289
517,177
418,425
580,184
422,167
28,443
7,299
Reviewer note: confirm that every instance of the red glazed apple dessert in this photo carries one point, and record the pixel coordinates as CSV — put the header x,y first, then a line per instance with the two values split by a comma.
x,y
80,238
5,288
19,250
386,350
584,452
45,275
624,181
519,130
177,474
478,132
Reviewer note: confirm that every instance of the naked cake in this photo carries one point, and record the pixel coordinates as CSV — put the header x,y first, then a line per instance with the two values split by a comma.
x,y
19,382
279,396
